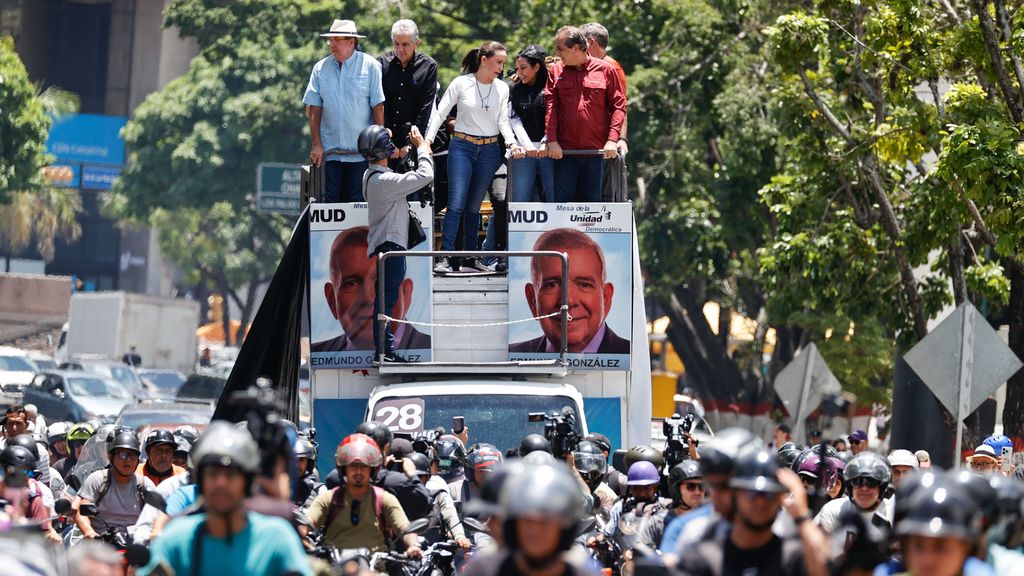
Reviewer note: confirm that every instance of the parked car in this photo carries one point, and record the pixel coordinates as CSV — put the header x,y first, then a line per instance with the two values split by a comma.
x,y
201,387
163,382
109,368
150,414
42,360
76,396
16,372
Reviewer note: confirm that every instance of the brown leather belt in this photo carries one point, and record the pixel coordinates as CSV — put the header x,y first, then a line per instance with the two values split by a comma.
x,y
478,140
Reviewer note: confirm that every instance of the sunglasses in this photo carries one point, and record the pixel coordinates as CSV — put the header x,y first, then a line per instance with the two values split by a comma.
x,y
355,513
865,483
693,487
126,455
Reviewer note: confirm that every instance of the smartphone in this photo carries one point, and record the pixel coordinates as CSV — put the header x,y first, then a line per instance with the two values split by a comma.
x,y
1007,458
458,424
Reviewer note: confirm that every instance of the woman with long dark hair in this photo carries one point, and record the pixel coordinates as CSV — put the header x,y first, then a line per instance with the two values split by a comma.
x,y
527,101
474,153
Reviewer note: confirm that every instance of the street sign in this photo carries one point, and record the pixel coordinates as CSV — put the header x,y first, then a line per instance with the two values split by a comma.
x,y
279,188
963,361
802,384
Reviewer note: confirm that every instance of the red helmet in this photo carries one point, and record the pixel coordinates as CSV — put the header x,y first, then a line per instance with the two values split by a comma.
x,y
358,448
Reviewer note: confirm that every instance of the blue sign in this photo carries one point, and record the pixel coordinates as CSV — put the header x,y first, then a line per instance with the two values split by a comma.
x,y
87,138
99,177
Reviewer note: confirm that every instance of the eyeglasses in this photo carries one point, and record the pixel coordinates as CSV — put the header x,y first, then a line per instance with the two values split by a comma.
x,y
864,482
355,512
126,455
694,487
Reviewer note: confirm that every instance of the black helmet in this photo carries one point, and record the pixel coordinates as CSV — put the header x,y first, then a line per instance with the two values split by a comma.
x,y
757,471
868,465
981,492
548,491
375,144
380,433
304,449
17,460
600,440
718,456
124,439
788,454
685,470
830,450
449,453
158,437
589,457
420,462
1009,527
188,432
534,443
940,510
27,441
109,431
642,453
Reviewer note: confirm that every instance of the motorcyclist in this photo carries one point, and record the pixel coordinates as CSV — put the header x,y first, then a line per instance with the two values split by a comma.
x,y
686,490
182,447
748,545
444,518
868,477
634,455
57,439
627,515
819,476
40,474
159,464
308,487
411,494
117,490
227,539
449,463
360,514
24,493
76,438
592,465
540,508
788,454
938,533
533,443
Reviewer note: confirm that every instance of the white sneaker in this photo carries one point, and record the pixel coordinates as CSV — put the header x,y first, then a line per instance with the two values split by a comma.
x,y
476,265
442,266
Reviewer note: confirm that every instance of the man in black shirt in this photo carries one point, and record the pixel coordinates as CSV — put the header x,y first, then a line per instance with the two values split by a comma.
x,y
750,547
410,86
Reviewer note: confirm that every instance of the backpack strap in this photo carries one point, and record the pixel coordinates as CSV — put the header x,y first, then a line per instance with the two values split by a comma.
x,y
337,497
378,511
366,180
104,488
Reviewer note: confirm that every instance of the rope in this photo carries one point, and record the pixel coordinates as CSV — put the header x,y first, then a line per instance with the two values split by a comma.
x,y
488,324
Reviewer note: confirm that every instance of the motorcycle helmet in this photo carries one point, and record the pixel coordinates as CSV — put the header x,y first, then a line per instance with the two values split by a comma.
x,y
685,470
124,439
547,491
188,432
590,463
642,473
158,437
757,472
941,510
998,442
380,433
642,453
788,454
420,462
481,459
533,443
449,453
868,465
223,444
17,461
718,456
357,448
374,143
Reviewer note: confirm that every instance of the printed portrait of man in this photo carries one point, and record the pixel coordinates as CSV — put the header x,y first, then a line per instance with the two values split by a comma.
x,y
350,295
590,297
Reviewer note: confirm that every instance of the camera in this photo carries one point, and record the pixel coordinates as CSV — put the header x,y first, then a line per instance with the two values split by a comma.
x,y
424,443
263,409
560,430
677,438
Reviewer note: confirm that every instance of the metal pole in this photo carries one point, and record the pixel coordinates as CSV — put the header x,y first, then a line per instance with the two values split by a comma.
x,y
804,389
565,308
380,305
966,365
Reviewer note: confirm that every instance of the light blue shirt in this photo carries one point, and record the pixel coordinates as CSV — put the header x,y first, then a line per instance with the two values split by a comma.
x,y
267,545
347,94
181,499
674,529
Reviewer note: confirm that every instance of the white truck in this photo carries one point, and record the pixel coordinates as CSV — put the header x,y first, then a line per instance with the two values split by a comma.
x,y
470,373
163,330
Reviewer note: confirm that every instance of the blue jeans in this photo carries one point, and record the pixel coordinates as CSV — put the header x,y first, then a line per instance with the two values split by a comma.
x,y
394,274
471,169
523,177
578,179
344,181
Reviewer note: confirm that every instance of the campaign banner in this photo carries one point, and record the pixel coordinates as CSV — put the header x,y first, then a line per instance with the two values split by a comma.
x,y
598,238
342,290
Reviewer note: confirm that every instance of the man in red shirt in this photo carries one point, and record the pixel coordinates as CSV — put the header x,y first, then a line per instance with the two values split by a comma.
x,y
597,47
586,109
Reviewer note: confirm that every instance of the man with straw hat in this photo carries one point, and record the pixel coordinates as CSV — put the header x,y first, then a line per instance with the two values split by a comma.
x,y
344,96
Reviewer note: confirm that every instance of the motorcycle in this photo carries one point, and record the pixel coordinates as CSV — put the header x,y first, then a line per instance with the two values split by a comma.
x,y
132,554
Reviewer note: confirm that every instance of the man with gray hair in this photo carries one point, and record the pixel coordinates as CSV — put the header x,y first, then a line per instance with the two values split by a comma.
x,y
597,47
410,86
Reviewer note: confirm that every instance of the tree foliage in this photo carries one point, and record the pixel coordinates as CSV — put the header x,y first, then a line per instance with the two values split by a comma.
x,y
23,126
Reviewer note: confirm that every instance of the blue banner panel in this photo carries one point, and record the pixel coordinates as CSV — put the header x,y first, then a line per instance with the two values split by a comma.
x,y
334,419
99,177
87,138
604,415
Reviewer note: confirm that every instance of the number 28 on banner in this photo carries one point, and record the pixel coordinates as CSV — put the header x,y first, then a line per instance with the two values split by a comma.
x,y
400,415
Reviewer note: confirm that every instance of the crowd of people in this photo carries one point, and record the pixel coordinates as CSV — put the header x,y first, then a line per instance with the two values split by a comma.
x,y
204,504
548,131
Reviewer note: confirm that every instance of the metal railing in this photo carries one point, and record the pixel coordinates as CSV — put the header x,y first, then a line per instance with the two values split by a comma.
x,y
382,317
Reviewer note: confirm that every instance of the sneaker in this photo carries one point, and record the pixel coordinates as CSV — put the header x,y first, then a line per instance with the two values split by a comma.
x,y
390,357
475,265
501,266
442,266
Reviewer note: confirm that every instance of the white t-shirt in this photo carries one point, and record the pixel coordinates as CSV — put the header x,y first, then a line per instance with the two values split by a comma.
x,y
483,109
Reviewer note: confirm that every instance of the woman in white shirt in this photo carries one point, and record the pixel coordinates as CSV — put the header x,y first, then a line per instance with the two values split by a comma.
x,y
475,152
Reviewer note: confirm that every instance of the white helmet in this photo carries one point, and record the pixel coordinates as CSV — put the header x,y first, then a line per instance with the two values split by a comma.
x,y
57,431
903,458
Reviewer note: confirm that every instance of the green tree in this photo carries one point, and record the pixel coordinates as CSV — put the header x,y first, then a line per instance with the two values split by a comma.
x,y
23,126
